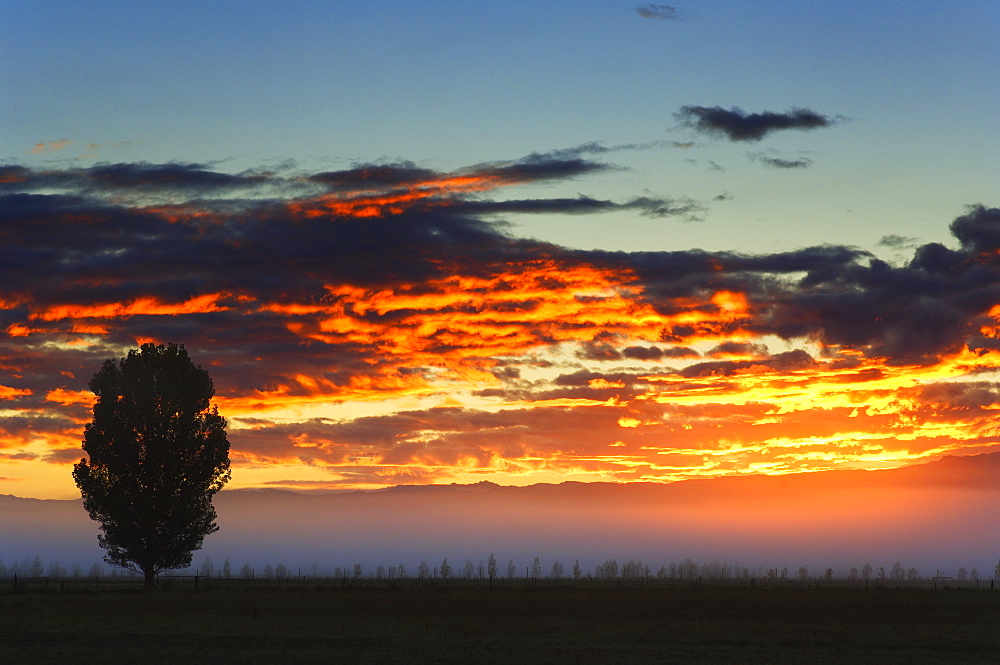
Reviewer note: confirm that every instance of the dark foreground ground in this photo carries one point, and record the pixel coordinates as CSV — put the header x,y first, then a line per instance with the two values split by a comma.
x,y
463,624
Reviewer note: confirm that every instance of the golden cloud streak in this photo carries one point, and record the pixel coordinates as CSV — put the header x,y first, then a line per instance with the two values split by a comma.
x,y
143,306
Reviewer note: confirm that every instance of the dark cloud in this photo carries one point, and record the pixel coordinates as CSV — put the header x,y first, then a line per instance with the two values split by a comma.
x,y
780,362
643,352
598,148
64,455
738,349
139,181
973,395
686,209
583,377
680,352
738,125
780,163
536,168
600,351
374,176
661,12
843,296
898,242
979,229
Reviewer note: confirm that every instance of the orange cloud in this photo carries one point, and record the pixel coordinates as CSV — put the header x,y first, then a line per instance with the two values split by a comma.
x,y
143,306
6,392
71,397
51,146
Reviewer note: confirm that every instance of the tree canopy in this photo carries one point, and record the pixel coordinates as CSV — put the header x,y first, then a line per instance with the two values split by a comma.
x,y
158,453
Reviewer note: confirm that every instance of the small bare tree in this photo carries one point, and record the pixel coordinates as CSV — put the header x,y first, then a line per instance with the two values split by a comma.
x,y
491,568
557,570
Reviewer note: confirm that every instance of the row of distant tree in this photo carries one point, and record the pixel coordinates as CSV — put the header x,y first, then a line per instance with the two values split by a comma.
x,y
633,569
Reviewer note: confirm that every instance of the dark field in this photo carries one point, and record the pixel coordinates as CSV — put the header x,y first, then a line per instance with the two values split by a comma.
x,y
515,624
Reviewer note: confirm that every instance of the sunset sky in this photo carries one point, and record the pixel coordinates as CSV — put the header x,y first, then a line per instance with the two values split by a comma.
x,y
519,242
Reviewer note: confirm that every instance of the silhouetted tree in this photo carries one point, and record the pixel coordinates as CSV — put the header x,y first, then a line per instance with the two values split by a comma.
x,y
423,571
37,568
576,570
445,569
491,567
227,568
607,570
158,454
633,570
512,569
687,568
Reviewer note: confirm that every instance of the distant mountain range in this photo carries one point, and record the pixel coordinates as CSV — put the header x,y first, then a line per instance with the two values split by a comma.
x,y
939,515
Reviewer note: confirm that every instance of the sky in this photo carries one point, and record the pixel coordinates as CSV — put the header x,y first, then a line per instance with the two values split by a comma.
x,y
519,242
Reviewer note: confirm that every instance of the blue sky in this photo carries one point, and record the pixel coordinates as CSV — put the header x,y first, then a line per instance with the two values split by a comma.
x,y
450,84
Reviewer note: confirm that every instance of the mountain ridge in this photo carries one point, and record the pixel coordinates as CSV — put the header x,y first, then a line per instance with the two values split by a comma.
x,y
976,470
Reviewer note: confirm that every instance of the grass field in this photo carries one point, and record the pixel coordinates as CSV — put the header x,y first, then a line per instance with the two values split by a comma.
x,y
458,623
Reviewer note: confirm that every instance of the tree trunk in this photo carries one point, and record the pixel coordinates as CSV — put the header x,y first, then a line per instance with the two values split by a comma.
x,y
150,578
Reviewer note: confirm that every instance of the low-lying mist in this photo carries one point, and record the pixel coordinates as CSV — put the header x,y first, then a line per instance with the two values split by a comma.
x,y
934,517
